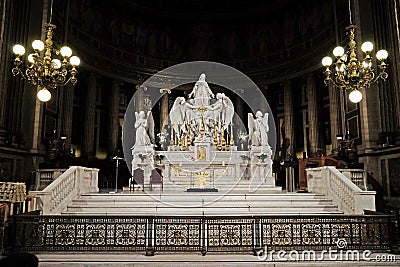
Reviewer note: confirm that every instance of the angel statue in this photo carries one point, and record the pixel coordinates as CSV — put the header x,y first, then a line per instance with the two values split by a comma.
x,y
177,114
223,109
258,129
144,128
201,92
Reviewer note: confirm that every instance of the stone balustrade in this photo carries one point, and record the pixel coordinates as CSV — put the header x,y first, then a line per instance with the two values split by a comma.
x,y
332,183
357,176
68,186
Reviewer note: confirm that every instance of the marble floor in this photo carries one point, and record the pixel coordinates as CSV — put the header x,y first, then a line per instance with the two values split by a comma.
x,y
125,260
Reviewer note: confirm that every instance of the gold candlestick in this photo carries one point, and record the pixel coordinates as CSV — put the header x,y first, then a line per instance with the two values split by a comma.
x,y
232,142
223,141
184,144
215,133
227,147
189,141
219,146
180,134
172,141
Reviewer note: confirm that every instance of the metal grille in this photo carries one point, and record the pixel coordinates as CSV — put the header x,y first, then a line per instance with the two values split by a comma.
x,y
322,233
230,234
177,234
197,234
60,233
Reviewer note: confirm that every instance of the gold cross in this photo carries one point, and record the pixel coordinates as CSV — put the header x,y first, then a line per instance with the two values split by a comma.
x,y
202,109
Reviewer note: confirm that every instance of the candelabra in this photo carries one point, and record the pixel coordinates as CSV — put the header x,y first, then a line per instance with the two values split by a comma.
x,y
232,142
189,141
223,141
215,133
171,142
44,70
350,73
180,134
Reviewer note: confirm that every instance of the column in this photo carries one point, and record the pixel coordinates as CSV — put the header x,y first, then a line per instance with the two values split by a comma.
x,y
4,73
139,98
37,125
334,114
90,107
312,114
164,111
239,106
13,92
114,117
68,107
369,106
288,113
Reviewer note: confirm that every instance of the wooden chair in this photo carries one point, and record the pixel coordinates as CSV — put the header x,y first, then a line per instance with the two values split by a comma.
x,y
156,178
137,178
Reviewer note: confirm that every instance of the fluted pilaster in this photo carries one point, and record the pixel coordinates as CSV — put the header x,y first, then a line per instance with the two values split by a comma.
x,y
68,106
139,99
334,110
369,106
313,115
288,113
90,107
239,106
4,50
114,117
164,110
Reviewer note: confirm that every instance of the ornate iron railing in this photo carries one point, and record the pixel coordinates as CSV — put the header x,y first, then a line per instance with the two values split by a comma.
x,y
198,234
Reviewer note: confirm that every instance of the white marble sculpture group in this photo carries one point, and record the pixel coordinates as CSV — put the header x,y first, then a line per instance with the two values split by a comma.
x,y
202,142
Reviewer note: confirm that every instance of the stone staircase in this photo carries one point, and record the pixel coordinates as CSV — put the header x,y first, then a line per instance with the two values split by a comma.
x,y
223,187
197,204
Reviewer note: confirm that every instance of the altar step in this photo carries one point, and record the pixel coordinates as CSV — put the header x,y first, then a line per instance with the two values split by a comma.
x,y
197,204
242,186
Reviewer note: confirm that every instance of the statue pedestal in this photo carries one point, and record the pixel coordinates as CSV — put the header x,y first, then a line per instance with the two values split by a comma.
x,y
143,158
261,165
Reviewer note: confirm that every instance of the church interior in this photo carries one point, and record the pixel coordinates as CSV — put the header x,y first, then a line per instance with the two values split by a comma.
x,y
324,115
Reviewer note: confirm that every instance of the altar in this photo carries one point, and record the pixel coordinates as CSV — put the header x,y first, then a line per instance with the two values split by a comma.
x,y
201,154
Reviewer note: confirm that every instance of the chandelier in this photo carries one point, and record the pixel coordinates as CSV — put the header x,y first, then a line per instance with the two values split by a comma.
x,y
351,74
48,67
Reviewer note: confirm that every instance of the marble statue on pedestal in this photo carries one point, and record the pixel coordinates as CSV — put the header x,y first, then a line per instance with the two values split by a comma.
x,y
144,129
260,151
258,129
143,149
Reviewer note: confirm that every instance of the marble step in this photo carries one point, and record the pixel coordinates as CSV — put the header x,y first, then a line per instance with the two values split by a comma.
x,y
135,196
242,190
211,205
150,202
184,203
198,212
